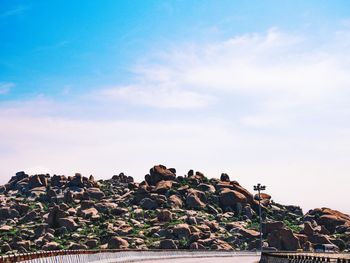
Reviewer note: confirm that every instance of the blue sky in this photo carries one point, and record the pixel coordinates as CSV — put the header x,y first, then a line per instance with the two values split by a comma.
x,y
81,45
257,89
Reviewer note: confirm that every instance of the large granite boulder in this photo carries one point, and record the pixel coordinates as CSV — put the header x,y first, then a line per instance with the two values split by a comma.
x,y
163,186
164,216
265,199
159,173
283,239
37,180
269,227
18,177
175,201
122,178
117,243
328,218
58,217
229,198
95,193
58,180
195,199
76,181
8,213
149,204
182,231
225,177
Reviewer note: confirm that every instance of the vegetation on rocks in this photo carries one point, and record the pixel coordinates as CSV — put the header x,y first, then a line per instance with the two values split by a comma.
x,y
166,211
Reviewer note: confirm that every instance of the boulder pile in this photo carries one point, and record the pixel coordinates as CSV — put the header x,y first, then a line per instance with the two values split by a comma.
x,y
165,211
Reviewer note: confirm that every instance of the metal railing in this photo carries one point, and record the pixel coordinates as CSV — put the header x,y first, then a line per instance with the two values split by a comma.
x,y
302,257
115,255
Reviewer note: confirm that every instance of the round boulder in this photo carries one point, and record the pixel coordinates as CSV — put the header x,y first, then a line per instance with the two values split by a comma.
x,y
117,243
159,173
229,198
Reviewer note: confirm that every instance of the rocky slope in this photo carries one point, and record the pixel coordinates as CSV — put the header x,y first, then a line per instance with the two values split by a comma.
x,y
43,212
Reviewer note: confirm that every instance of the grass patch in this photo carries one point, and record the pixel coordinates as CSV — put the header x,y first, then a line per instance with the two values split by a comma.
x,y
292,226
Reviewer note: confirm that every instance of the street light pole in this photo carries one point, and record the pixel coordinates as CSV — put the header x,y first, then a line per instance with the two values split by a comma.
x,y
259,188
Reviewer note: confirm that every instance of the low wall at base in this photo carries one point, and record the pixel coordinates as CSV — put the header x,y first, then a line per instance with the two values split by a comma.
x,y
296,257
115,256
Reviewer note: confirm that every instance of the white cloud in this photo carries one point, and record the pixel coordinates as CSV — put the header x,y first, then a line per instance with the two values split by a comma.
x,y
255,63
5,87
106,147
273,69
268,107
261,121
166,97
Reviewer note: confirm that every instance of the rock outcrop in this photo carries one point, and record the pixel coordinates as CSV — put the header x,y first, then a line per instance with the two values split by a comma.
x,y
43,212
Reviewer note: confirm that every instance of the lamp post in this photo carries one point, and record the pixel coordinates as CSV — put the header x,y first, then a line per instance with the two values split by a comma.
x,y
259,188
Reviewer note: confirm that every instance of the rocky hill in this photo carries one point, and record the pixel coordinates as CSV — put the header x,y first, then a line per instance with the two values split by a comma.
x,y
43,212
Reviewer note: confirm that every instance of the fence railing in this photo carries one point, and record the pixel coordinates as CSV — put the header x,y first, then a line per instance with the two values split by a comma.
x,y
302,257
115,255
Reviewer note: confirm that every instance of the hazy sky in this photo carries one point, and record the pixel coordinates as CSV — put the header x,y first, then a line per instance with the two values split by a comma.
x,y
257,89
